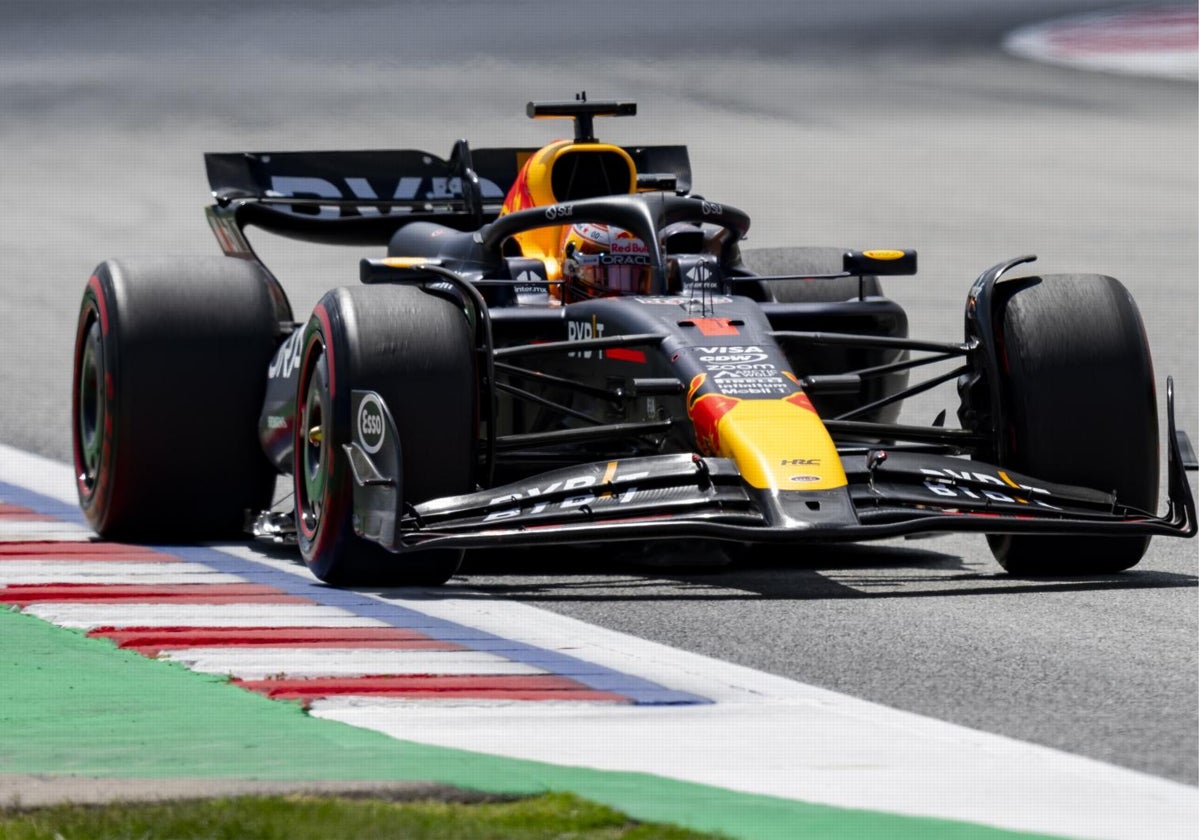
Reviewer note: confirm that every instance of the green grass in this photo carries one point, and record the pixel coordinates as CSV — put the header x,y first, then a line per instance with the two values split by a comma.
x,y
559,816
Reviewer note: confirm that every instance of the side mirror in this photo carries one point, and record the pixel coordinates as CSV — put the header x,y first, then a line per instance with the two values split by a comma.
x,y
656,182
882,262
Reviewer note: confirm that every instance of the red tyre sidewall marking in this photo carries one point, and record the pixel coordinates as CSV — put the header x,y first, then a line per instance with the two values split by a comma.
x,y
95,500
299,436
331,502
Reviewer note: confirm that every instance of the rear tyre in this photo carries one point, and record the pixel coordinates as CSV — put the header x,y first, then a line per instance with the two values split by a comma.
x,y
415,350
1077,386
169,375
778,261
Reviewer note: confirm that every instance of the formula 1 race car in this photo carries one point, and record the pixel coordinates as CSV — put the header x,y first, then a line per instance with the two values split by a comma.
x,y
565,345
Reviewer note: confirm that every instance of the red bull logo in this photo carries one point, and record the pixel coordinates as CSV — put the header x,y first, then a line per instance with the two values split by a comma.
x,y
706,412
607,239
801,399
624,242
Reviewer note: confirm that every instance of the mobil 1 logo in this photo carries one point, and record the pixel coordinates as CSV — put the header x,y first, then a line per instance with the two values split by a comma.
x,y
743,371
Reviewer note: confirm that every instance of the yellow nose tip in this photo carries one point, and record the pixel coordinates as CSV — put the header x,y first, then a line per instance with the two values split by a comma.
x,y
780,446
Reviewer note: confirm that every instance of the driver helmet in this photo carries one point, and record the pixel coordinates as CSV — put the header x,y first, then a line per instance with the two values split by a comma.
x,y
603,261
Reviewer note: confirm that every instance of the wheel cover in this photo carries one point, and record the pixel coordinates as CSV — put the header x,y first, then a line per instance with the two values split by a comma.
x,y
90,405
313,440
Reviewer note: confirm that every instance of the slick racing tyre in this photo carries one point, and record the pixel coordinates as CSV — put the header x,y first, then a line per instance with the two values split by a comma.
x,y
169,375
415,350
1077,391
778,261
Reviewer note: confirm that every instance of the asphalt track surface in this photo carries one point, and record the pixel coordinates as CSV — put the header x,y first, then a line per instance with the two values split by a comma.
x,y
868,124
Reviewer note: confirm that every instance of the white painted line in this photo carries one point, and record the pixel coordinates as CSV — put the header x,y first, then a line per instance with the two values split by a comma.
x,y
256,663
772,736
88,616
865,758
14,572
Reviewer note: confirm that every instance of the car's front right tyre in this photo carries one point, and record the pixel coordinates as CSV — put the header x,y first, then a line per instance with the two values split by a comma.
x,y
1078,402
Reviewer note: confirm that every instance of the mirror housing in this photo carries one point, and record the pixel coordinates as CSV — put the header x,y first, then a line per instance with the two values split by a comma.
x,y
882,262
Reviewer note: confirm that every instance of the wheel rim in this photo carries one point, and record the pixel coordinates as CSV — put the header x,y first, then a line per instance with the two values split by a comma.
x,y
313,460
89,398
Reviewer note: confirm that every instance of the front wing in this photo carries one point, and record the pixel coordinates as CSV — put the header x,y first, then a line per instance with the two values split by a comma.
x,y
890,492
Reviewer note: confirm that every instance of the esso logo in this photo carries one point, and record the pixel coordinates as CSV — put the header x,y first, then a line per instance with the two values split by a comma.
x,y
370,424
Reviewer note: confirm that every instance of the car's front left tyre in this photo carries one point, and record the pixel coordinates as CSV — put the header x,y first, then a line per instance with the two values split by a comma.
x,y
415,350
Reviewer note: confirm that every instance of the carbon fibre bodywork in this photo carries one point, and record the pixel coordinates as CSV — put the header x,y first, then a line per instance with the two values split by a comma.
x,y
606,478
710,406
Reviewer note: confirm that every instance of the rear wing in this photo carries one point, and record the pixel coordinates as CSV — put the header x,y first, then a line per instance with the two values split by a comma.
x,y
364,197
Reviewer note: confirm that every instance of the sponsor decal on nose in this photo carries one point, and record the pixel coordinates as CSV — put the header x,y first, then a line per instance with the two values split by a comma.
x,y
705,413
